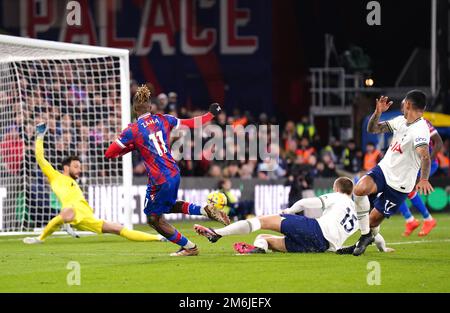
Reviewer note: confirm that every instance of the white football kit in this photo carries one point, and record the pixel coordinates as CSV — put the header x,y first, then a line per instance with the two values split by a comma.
x,y
401,163
339,220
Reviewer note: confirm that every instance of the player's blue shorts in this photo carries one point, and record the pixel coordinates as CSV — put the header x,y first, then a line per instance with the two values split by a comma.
x,y
390,199
161,198
303,234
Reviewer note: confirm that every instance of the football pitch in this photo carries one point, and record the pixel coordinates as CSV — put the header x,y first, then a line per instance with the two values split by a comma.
x,y
110,263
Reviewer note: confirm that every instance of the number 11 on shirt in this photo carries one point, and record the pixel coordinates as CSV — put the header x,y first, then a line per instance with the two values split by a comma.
x,y
158,143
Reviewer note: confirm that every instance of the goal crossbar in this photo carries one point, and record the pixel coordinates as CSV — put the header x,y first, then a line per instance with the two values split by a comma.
x,y
63,46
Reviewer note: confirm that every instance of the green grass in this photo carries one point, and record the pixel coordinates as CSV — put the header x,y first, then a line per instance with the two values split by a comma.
x,y
113,264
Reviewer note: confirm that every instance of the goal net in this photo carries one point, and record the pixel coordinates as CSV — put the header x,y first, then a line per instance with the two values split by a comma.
x,y
82,93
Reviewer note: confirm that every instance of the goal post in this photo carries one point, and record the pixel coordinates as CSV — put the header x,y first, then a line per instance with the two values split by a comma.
x,y
83,94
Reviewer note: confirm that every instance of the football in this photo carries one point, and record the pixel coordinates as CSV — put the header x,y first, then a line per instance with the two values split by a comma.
x,y
218,199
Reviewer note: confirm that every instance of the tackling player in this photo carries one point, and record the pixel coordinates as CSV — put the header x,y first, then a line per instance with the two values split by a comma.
x,y
395,175
150,136
429,222
301,234
75,209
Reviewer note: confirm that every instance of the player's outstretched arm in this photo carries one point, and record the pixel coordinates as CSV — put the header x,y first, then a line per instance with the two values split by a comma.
x,y
116,150
374,126
122,145
308,203
44,165
424,186
195,122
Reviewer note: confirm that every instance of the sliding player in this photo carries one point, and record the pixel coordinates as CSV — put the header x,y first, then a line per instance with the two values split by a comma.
x,y
301,234
150,136
428,221
396,174
75,209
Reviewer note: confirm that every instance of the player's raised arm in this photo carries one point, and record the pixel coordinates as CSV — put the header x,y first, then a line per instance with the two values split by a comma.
x,y
122,145
424,186
307,203
195,122
374,126
45,166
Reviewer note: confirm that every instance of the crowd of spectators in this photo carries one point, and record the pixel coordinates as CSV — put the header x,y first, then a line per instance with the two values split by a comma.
x,y
303,155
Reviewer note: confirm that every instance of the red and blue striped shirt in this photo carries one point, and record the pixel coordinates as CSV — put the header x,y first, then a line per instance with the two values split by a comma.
x,y
150,135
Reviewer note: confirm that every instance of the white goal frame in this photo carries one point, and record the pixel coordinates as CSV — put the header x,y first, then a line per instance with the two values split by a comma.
x,y
83,52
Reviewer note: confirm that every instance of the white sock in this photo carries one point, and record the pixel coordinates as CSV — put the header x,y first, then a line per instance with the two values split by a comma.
x,y
189,245
202,211
240,227
429,218
375,230
410,219
362,209
262,243
380,242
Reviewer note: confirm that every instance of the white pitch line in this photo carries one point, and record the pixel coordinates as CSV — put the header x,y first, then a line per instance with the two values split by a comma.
x,y
388,243
416,242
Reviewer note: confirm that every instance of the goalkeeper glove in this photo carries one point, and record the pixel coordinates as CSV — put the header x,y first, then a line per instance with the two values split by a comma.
x,y
215,109
68,229
41,129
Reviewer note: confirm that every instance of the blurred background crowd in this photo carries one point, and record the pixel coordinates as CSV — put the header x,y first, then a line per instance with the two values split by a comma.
x,y
302,153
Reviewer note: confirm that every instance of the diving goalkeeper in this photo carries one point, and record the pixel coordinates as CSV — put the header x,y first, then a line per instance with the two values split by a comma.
x,y
75,210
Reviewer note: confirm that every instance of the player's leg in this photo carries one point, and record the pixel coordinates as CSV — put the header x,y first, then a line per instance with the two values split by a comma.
x,y
381,244
378,239
411,223
160,200
369,184
269,222
384,206
302,234
189,208
375,219
262,244
208,210
159,223
365,186
66,216
179,206
133,235
429,222
417,202
276,243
